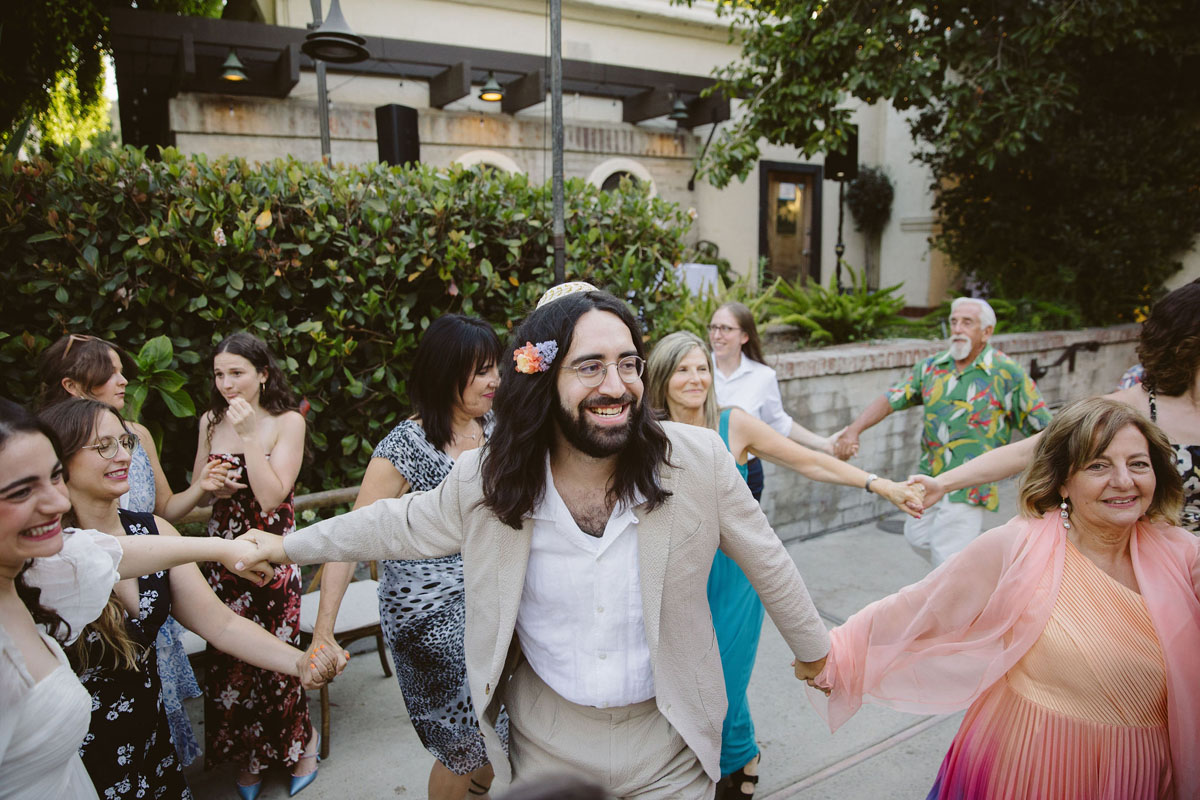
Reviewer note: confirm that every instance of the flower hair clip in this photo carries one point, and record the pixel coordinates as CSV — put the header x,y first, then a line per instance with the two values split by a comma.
x,y
535,357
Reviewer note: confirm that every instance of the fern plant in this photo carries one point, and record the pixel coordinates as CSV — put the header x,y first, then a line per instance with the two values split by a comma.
x,y
827,316
696,308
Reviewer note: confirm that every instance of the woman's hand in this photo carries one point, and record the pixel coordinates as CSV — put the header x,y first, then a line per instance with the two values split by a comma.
x,y
321,665
269,546
908,497
934,490
840,448
241,416
245,558
212,475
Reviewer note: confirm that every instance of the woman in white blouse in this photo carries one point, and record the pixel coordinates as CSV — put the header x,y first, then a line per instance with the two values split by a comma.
x,y
742,379
53,583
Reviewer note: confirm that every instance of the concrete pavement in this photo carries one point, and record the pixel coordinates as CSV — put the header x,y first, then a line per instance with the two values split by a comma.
x,y
878,754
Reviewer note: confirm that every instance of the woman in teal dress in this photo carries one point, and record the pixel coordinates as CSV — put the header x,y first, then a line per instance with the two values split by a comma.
x,y
679,382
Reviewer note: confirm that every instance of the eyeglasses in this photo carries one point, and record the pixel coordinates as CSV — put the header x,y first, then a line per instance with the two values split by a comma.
x,y
107,445
724,330
78,337
592,373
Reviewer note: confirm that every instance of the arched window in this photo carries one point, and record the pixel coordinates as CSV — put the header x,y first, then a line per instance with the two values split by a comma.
x,y
491,158
607,175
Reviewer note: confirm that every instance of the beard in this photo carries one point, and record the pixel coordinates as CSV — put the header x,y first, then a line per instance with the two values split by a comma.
x,y
591,439
960,349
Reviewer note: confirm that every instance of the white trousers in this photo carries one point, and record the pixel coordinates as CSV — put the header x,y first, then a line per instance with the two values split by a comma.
x,y
943,530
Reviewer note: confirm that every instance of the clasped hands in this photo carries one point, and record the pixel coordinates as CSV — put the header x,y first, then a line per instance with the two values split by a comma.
x,y
258,551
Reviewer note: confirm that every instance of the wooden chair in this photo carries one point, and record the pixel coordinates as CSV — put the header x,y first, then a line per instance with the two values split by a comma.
x,y
358,618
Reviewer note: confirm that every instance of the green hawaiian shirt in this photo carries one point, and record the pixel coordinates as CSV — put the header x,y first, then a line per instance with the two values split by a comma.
x,y
970,412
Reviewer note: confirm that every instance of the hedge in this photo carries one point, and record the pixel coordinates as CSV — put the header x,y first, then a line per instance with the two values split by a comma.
x,y
338,268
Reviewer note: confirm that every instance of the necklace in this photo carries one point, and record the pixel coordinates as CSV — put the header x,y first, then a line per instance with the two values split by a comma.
x,y
472,436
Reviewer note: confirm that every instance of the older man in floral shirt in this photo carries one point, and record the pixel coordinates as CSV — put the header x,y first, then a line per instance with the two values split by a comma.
x,y
974,397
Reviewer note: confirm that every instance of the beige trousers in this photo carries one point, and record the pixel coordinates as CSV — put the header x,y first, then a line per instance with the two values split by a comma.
x,y
632,751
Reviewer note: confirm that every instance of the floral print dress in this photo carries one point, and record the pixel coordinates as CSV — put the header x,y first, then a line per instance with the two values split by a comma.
x,y
128,749
253,717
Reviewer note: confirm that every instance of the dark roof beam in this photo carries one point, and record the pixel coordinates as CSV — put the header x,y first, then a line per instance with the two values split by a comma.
x,y
706,111
453,83
527,90
654,102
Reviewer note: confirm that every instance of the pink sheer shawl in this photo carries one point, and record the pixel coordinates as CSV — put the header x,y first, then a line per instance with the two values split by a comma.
x,y
938,645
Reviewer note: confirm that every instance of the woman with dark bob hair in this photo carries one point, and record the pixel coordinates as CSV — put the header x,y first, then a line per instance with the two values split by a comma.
x,y
255,718
1070,634
421,603
1169,349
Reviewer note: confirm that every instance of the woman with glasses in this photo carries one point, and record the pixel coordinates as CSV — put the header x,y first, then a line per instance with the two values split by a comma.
x,y
128,751
85,366
255,719
743,379
679,381
422,604
53,582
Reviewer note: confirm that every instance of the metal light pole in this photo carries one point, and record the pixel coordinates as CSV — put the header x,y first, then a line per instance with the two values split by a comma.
x,y
558,231
330,40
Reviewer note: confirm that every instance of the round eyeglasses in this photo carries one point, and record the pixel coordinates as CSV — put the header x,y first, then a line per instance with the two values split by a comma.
x,y
592,373
107,446
724,330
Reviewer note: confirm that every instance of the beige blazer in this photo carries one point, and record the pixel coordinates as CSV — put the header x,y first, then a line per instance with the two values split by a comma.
x,y
710,507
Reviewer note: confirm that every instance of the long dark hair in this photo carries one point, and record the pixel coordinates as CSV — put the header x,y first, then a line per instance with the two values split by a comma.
x,y
452,350
16,421
276,396
84,359
514,462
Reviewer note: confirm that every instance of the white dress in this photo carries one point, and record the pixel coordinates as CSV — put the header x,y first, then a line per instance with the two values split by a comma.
x,y
43,722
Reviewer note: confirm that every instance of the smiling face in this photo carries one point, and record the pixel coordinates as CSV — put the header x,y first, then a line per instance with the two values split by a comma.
x,y
235,376
33,498
1112,491
92,475
597,420
687,389
726,344
477,395
967,334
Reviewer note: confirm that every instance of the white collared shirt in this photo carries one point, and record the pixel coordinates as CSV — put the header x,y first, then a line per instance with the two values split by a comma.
x,y
580,618
753,388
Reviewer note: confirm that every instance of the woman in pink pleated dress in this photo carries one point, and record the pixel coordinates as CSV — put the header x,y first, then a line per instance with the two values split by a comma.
x,y
1070,634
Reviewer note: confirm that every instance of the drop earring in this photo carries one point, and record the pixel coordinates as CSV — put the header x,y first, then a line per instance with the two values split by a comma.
x,y
1065,514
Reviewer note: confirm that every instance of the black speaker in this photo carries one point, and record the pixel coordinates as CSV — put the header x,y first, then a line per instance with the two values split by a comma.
x,y
843,166
396,129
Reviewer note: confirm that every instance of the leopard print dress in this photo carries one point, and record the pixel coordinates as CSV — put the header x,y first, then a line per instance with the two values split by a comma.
x,y
422,606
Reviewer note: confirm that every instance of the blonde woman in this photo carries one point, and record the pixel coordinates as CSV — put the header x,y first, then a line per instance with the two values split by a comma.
x,y
679,381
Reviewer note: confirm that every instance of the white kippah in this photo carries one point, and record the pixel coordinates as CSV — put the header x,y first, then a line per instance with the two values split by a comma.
x,y
564,289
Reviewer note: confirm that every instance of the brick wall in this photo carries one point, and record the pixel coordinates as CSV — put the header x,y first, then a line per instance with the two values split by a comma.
x,y
826,389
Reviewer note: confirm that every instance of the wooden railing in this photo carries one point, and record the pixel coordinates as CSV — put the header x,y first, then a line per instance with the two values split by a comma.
x,y
325,499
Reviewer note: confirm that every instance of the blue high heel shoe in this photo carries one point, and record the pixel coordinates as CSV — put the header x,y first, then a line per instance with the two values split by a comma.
x,y
248,792
300,782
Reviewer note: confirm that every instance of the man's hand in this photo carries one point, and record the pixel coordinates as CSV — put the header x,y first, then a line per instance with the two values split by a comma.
x,y
808,671
845,444
269,546
934,491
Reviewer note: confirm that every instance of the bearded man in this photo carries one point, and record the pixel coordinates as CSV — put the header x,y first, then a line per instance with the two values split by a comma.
x,y
974,397
587,530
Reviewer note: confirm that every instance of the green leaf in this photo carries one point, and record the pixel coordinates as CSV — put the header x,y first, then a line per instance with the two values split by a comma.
x,y
155,354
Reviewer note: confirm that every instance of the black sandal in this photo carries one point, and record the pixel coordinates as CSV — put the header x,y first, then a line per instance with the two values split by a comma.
x,y
736,788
